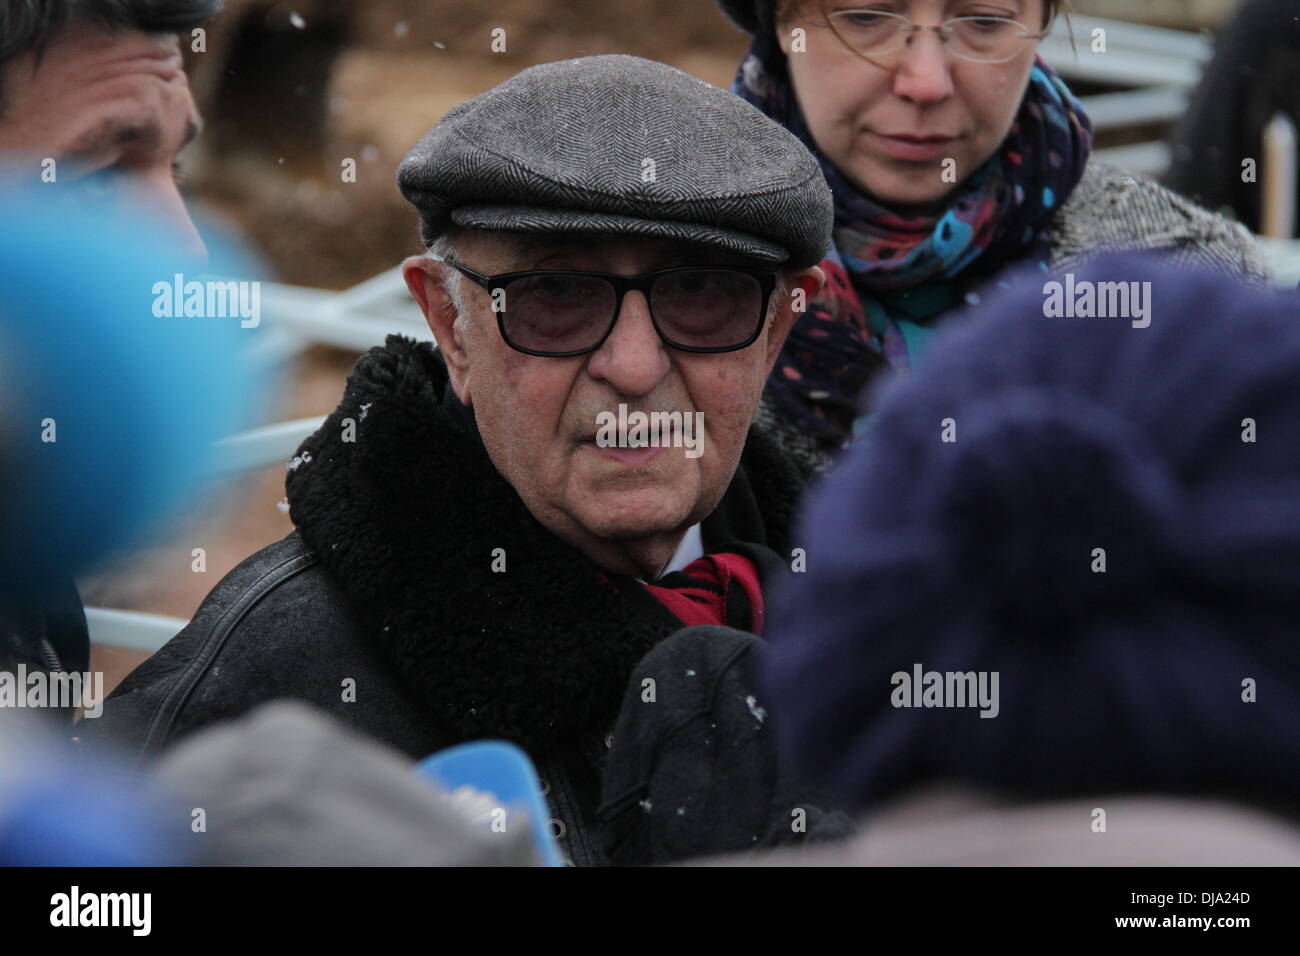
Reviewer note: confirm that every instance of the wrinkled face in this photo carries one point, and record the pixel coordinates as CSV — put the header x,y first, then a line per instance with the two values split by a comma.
x,y
889,126
540,416
112,109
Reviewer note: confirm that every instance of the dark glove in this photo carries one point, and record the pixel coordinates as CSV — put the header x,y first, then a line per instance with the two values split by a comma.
x,y
692,769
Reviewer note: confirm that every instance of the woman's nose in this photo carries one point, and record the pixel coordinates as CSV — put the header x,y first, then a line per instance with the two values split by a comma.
x,y
924,72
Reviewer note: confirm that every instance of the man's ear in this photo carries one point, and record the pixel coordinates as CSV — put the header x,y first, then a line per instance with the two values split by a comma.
x,y
801,288
425,278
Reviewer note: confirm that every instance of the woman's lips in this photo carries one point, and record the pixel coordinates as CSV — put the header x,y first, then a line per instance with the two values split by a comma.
x,y
914,149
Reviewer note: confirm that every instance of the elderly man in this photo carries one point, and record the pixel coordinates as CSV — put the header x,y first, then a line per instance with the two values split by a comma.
x,y
487,541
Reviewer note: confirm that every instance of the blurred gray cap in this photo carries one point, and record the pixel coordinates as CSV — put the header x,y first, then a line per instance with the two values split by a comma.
x,y
287,785
621,145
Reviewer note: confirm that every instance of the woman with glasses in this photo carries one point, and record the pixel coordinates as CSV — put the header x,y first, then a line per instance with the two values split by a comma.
x,y
952,151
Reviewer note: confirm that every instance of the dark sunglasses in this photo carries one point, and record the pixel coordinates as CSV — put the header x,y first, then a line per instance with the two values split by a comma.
x,y
563,312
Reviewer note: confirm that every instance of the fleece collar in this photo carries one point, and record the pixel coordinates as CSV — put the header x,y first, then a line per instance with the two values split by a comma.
x,y
398,498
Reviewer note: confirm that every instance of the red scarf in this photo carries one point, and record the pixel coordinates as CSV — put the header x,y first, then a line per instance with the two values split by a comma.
x,y
715,589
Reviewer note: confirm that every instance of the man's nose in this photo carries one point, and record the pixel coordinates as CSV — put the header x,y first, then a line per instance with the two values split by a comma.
x,y
924,73
633,359
166,199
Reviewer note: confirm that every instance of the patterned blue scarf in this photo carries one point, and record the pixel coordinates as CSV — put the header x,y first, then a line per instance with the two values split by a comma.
x,y
889,276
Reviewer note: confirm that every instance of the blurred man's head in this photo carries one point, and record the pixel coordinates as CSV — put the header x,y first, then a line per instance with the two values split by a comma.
x,y
99,87
665,264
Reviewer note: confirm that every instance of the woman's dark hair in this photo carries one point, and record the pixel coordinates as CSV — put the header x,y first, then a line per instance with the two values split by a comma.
x,y
32,24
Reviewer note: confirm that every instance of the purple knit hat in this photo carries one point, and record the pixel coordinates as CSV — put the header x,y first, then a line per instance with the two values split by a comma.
x,y
968,533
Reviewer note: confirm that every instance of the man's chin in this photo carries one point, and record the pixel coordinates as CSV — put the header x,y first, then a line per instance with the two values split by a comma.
x,y
634,512
613,499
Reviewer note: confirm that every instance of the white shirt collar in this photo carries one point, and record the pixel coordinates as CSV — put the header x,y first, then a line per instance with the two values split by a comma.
x,y
692,547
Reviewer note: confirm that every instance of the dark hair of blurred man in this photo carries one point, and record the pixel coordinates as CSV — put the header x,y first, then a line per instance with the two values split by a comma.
x,y
99,87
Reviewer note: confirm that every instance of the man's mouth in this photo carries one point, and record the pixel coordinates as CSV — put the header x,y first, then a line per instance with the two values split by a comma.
x,y
636,437
625,456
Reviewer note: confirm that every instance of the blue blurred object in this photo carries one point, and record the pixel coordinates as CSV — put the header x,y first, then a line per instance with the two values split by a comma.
x,y
73,820
501,773
60,806
89,357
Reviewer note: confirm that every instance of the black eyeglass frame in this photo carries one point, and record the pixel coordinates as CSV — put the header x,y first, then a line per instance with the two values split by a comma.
x,y
622,285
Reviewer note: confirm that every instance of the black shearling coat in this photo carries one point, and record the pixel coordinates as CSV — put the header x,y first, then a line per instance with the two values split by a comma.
x,y
386,587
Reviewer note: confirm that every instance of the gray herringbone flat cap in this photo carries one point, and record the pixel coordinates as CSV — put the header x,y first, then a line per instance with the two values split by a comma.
x,y
621,145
